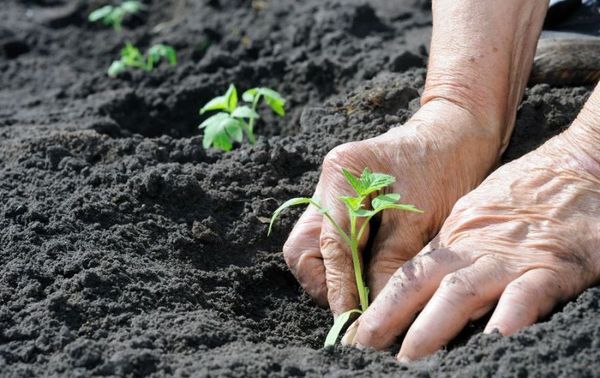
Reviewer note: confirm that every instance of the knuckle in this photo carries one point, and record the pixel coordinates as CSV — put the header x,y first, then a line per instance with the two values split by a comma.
x,y
519,295
291,253
339,156
458,285
330,245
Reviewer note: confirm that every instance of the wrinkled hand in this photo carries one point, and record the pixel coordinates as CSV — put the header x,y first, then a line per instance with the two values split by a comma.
x,y
527,238
439,155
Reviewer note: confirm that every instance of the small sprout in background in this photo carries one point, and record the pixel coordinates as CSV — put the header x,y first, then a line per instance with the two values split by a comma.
x,y
160,51
230,124
365,186
131,57
113,15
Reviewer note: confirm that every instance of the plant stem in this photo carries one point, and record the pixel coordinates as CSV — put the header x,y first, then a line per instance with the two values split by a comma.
x,y
249,132
251,122
360,285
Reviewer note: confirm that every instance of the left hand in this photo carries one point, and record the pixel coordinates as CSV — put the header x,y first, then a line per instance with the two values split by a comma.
x,y
526,239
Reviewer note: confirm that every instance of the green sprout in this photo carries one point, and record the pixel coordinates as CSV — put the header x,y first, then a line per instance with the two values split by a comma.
x,y
131,57
365,187
112,15
230,124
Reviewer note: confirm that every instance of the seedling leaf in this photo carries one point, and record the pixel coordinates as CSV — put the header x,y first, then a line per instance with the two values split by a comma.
x,y
270,93
220,130
276,105
273,98
363,213
217,103
116,68
158,51
244,112
375,181
113,15
232,99
132,6
289,203
354,181
385,199
400,206
248,96
353,203
338,325
100,13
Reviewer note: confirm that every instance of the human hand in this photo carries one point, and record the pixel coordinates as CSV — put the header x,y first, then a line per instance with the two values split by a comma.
x,y
439,155
527,238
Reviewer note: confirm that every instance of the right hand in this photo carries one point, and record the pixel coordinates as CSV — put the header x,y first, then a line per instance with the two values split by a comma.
x,y
442,153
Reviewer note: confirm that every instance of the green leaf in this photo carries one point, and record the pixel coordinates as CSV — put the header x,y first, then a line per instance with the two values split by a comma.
x,y
132,6
248,96
234,130
217,103
289,203
100,13
375,181
244,112
170,54
276,105
214,119
220,130
160,51
274,100
270,93
385,199
132,57
400,206
338,326
116,68
231,97
354,181
363,213
353,203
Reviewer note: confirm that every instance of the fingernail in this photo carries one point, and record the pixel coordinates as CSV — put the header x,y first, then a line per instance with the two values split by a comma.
x,y
348,338
404,360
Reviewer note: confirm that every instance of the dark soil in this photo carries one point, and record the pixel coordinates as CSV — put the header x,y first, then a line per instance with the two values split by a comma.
x,y
128,250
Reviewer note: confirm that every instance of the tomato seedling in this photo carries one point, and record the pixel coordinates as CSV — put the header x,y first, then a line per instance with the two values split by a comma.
x,y
112,15
365,187
230,124
131,57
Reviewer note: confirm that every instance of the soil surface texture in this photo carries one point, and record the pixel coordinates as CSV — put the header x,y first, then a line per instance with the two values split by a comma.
x,y
126,249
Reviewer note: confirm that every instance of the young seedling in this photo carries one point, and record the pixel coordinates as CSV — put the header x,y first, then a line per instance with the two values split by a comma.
x,y
230,124
131,57
365,186
112,15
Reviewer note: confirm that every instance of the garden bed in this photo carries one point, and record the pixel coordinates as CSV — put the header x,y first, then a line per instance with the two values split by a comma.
x,y
127,249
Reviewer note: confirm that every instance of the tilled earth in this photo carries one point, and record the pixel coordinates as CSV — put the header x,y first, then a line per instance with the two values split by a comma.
x,y
126,249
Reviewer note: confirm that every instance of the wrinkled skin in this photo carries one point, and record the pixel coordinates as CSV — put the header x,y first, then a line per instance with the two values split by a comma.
x,y
433,166
526,239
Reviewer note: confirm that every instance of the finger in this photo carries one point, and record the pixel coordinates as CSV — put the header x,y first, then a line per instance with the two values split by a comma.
x,y
396,242
525,300
302,254
462,296
342,293
405,294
